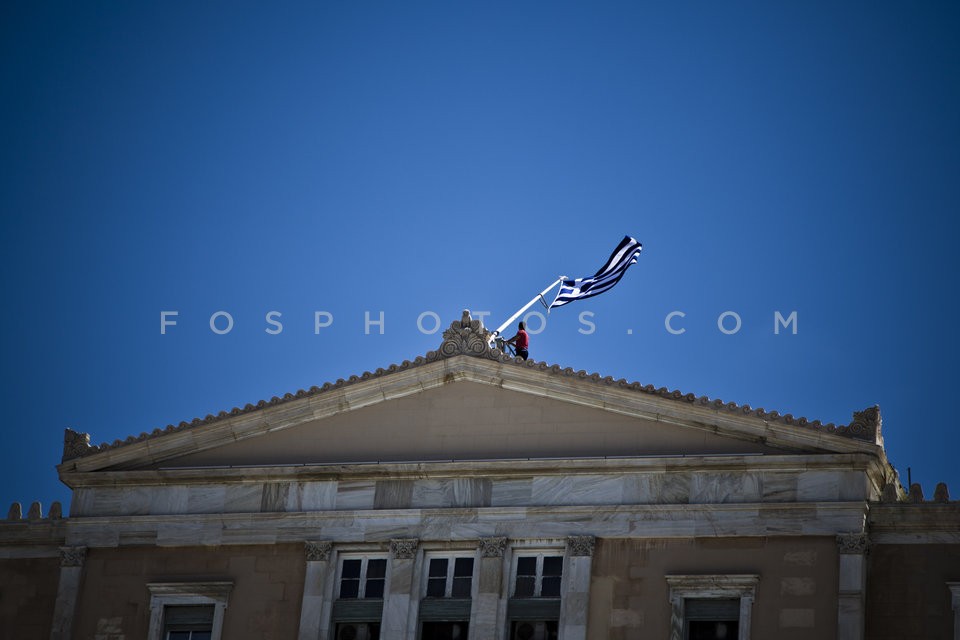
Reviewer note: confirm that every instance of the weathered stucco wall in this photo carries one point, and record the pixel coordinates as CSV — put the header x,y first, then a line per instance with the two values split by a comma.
x,y
907,594
796,597
265,602
28,591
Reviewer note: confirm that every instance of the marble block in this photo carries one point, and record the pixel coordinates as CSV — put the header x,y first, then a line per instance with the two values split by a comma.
x,y
312,496
718,488
243,498
511,493
206,498
356,494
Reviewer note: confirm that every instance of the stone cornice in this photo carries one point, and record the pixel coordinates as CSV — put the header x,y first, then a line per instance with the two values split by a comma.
x,y
711,510
475,469
461,524
465,354
217,590
713,585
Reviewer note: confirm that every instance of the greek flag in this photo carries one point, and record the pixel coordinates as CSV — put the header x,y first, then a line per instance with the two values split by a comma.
x,y
609,274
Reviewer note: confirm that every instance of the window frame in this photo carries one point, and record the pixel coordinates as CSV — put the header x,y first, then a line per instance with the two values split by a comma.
x,y
452,558
954,588
191,633
364,566
540,555
740,586
165,594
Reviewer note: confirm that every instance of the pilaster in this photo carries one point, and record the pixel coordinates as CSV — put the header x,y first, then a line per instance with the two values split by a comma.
x,y
486,620
396,602
315,602
576,587
851,607
68,591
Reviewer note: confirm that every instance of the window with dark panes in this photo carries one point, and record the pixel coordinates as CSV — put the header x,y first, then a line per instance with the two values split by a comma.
x,y
534,630
445,610
187,622
551,575
462,578
437,578
358,609
362,577
711,618
526,585
449,577
376,578
538,576
357,631
444,630
534,607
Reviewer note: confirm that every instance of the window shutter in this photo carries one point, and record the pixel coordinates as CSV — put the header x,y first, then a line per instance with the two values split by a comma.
x,y
712,609
192,616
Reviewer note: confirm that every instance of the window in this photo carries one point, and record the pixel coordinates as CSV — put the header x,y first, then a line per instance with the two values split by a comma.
x,y
358,607
534,630
187,610
534,606
445,608
711,607
362,577
444,631
712,619
358,631
450,577
538,576
191,622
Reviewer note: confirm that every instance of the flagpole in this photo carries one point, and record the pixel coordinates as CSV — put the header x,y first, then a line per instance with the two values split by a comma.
x,y
528,305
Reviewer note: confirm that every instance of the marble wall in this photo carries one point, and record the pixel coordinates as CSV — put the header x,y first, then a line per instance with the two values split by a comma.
x,y
546,490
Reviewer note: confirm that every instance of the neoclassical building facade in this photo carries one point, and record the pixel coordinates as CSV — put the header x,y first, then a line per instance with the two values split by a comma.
x,y
466,494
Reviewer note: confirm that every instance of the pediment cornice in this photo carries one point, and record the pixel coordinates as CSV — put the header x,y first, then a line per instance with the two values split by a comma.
x,y
466,354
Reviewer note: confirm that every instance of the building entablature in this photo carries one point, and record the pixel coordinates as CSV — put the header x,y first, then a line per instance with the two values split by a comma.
x,y
689,481
469,524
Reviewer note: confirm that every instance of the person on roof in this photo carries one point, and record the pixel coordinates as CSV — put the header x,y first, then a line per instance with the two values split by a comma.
x,y
522,341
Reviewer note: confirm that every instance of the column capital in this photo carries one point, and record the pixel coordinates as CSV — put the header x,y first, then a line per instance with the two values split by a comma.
x,y
580,545
853,543
317,551
72,556
404,548
492,547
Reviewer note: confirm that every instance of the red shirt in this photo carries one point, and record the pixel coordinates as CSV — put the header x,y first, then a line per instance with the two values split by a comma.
x,y
523,341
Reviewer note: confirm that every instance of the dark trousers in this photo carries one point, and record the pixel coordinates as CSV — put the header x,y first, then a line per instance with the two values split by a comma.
x,y
523,353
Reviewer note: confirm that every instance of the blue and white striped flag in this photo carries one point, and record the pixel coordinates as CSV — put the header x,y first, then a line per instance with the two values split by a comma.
x,y
609,274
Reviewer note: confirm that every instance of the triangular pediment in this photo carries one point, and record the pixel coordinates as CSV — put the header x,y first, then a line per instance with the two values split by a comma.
x,y
467,401
469,421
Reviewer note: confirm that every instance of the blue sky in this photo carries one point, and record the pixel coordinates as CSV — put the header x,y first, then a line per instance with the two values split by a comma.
x,y
411,157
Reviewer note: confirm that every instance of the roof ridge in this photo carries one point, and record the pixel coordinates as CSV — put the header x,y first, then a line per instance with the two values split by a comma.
x,y
468,337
